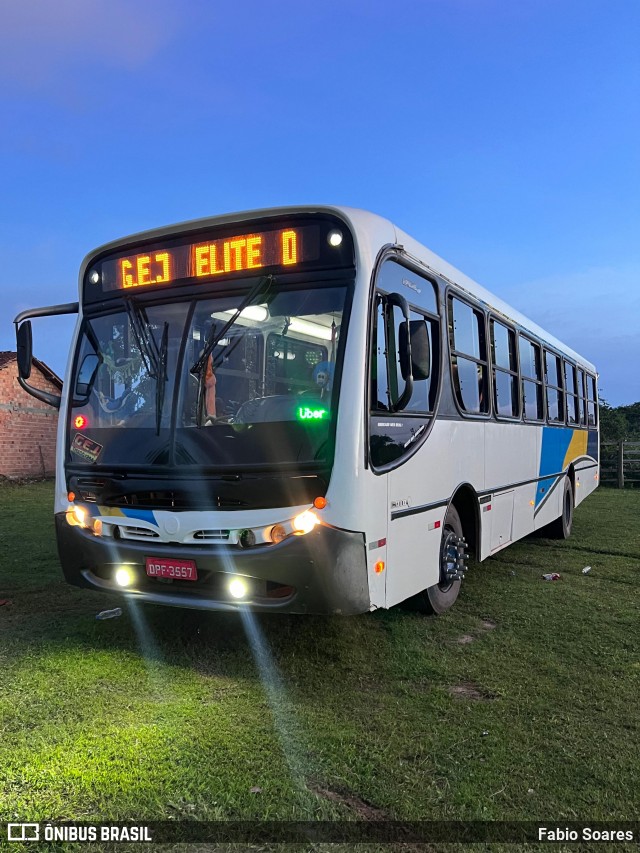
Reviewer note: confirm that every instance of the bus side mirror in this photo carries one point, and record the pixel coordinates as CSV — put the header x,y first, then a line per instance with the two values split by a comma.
x,y
24,344
415,353
87,374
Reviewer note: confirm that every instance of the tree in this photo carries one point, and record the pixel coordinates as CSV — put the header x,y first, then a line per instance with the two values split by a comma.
x,y
621,423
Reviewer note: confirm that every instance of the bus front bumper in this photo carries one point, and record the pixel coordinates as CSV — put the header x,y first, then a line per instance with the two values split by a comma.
x,y
321,572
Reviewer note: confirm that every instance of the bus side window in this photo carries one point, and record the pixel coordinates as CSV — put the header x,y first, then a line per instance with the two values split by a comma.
x,y
573,416
531,372
553,375
379,387
582,403
422,396
387,383
468,357
506,398
592,408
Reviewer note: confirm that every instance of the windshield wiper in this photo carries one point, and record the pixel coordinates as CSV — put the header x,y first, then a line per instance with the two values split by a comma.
x,y
144,337
153,357
261,289
161,379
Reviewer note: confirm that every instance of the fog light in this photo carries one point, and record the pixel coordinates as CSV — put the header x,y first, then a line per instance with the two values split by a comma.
x,y
277,533
238,588
305,522
123,576
80,514
247,539
97,526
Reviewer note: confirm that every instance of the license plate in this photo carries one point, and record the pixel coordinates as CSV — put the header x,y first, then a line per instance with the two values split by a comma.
x,y
184,570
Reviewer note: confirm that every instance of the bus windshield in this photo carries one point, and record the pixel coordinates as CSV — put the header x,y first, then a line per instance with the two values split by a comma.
x,y
195,383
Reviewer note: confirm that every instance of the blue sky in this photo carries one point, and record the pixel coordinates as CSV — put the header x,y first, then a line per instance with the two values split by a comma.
x,y
503,135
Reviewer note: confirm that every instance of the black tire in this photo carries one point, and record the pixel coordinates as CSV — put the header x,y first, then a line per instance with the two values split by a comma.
x,y
561,527
440,597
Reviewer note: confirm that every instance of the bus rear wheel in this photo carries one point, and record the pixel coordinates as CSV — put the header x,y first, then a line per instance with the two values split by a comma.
x,y
440,597
561,527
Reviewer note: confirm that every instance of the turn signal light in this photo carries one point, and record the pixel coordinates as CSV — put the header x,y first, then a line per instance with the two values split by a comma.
x,y
320,503
277,533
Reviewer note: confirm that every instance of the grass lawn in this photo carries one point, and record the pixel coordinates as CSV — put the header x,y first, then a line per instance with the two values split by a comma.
x,y
519,704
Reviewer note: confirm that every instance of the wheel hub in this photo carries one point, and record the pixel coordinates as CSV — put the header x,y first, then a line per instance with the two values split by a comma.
x,y
454,554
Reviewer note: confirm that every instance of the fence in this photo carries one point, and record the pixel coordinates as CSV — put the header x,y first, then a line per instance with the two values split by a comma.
x,y
620,463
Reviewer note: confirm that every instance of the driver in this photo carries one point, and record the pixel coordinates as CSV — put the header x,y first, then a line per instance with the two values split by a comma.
x,y
210,390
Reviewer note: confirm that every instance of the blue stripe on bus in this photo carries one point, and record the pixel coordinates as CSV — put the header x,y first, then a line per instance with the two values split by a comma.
x,y
555,443
140,514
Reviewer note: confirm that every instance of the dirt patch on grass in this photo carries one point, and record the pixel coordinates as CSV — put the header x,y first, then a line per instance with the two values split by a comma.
x,y
465,639
468,690
367,812
488,625
363,809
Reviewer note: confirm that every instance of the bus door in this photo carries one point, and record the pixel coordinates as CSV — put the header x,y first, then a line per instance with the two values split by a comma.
x,y
402,401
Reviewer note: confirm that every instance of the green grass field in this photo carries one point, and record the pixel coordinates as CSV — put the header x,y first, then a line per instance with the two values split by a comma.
x,y
519,704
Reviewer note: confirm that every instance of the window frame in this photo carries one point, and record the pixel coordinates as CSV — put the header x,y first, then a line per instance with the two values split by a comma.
x,y
433,322
451,294
562,409
406,261
539,383
591,379
493,319
582,397
571,395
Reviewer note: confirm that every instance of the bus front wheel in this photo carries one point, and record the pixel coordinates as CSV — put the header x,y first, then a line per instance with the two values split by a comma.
x,y
440,597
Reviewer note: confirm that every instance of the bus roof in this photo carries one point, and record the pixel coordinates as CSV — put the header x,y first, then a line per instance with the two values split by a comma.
x,y
445,270
372,232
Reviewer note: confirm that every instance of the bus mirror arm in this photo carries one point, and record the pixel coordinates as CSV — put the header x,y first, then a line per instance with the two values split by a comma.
x,y
25,348
404,347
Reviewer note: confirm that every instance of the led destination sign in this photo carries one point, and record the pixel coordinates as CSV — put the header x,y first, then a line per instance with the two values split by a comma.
x,y
161,265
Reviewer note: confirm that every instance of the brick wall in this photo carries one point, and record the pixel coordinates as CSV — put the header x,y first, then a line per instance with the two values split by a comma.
x,y
27,426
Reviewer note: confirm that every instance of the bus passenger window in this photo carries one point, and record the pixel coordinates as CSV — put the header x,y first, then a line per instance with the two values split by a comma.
x,y
572,398
592,408
531,372
555,398
582,403
505,371
468,356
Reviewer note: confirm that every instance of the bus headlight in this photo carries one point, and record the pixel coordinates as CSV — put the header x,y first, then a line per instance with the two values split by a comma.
x,y
305,522
76,516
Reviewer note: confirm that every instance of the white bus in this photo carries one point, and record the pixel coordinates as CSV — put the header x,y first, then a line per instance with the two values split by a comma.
x,y
304,410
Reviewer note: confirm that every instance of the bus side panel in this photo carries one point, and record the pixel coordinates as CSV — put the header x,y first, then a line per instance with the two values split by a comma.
x,y
376,525
511,466
561,448
588,470
430,477
61,502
